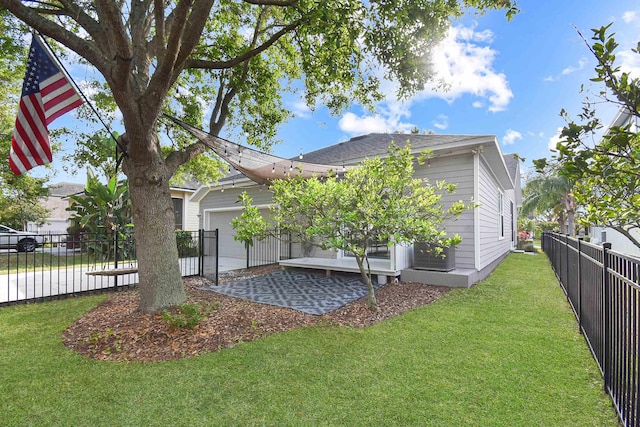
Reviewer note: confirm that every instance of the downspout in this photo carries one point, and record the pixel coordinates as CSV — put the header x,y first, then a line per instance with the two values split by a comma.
x,y
476,211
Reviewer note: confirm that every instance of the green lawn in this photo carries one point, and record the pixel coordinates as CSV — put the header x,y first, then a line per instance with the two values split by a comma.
x,y
505,353
11,263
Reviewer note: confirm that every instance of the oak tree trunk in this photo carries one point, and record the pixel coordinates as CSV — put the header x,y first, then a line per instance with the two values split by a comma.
x,y
160,278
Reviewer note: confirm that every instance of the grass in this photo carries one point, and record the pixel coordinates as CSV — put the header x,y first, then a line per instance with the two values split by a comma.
x,y
503,353
13,262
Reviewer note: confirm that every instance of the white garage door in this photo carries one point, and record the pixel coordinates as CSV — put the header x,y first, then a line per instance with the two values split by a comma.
x,y
227,245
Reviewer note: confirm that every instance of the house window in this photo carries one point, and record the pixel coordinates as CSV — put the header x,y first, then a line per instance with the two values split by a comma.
x,y
500,215
513,222
177,213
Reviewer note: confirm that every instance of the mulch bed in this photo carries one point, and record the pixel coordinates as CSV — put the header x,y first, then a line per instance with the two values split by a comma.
x,y
116,330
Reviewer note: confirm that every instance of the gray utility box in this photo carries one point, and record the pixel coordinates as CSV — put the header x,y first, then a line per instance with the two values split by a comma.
x,y
424,259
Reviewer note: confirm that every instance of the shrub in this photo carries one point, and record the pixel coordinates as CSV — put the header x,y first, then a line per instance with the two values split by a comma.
x,y
187,315
187,246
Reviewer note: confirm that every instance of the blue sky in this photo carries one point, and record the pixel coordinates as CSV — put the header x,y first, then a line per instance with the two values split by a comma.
x,y
508,79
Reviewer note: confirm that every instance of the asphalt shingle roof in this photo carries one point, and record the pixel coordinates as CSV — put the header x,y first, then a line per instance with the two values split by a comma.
x,y
376,144
64,189
512,160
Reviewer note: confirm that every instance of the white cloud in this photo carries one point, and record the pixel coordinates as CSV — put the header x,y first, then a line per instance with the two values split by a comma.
x,y
353,124
467,68
630,63
567,70
553,141
441,122
572,69
630,16
388,118
300,109
511,136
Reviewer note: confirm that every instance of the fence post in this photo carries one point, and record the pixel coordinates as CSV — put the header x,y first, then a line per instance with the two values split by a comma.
x,y
200,252
217,254
558,254
566,266
579,279
115,257
606,364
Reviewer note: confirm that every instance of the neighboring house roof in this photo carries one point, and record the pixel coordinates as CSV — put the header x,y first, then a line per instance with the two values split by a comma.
x,y
623,117
512,161
56,202
359,148
188,185
64,189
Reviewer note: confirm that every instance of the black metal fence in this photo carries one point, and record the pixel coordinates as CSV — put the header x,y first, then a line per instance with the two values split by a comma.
x,y
604,291
269,250
71,264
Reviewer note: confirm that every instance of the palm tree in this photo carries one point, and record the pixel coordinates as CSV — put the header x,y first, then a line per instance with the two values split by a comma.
x,y
551,193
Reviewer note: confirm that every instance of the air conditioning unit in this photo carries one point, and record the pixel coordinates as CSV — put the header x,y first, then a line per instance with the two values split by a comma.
x,y
424,259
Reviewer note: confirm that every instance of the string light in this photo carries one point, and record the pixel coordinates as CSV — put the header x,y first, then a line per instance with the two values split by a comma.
x,y
300,156
291,167
273,169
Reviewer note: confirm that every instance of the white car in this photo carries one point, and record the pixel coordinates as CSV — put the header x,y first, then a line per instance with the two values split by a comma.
x,y
22,241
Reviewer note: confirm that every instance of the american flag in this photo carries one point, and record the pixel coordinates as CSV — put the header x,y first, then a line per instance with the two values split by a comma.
x,y
46,95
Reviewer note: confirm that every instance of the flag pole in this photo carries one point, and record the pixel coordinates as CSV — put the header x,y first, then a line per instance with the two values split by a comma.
x,y
86,99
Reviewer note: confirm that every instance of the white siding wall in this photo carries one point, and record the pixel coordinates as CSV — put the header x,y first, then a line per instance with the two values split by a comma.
x,y
492,245
191,211
456,170
229,198
619,242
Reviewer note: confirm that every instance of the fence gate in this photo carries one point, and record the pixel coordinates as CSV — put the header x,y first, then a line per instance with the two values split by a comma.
x,y
208,256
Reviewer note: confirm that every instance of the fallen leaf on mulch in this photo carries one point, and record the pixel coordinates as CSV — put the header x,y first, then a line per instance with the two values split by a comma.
x,y
116,330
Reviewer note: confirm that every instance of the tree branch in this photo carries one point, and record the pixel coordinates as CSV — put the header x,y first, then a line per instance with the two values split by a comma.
x,y
628,235
177,158
187,23
219,65
119,44
272,2
87,50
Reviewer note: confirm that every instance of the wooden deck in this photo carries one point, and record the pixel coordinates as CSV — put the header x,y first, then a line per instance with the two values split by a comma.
x,y
380,267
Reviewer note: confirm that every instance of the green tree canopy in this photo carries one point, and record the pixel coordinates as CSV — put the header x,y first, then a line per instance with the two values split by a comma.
x,y
549,195
607,173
